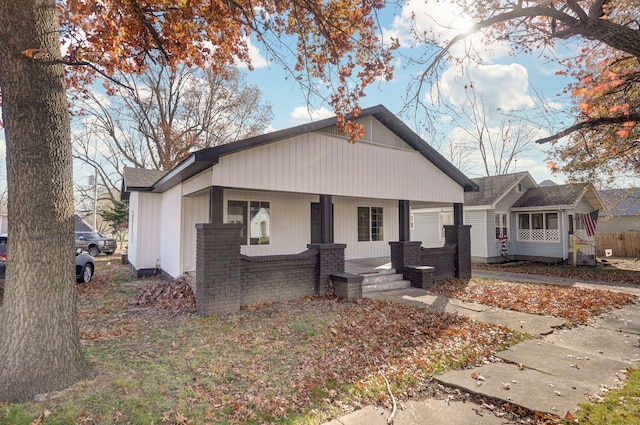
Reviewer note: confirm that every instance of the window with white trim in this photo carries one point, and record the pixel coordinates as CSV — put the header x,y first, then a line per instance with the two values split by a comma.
x,y
538,227
370,224
256,218
502,225
445,219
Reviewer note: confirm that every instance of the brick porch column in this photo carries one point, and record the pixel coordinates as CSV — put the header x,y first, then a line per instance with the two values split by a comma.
x,y
218,277
405,253
330,260
461,237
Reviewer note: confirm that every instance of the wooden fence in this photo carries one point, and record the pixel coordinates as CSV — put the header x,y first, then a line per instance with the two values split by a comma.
x,y
622,244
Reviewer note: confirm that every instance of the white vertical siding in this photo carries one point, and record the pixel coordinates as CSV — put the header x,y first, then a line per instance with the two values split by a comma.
x,y
171,224
144,229
346,226
426,227
195,210
479,222
197,183
320,163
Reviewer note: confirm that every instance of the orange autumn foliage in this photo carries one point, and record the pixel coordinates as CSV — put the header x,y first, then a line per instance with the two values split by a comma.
x,y
316,40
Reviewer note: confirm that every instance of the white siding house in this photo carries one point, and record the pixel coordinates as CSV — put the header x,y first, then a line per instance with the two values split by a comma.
x,y
271,184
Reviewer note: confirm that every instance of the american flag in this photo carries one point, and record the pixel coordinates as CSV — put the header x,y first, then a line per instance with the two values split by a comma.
x,y
591,222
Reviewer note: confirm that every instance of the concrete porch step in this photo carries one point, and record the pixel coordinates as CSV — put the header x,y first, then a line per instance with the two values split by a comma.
x,y
383,281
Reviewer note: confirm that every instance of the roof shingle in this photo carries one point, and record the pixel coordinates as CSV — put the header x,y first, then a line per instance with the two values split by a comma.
x,y
492,189
566,194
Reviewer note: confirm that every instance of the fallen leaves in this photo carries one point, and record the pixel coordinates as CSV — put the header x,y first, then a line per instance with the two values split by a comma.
x,y
577,305
615,271
176,295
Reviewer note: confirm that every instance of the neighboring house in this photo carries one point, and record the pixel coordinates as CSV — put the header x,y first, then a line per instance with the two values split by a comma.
x,y
512,218
622,210
287,196
81,225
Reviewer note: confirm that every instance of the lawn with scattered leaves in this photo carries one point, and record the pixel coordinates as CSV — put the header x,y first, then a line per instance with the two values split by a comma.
x,y
298,362
302,361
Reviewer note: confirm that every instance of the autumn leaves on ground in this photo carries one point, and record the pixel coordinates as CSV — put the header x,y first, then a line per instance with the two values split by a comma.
x,y
303,361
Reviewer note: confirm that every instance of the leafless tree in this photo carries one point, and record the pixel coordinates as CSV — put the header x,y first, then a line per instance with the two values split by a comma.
x,y
159,122
496,137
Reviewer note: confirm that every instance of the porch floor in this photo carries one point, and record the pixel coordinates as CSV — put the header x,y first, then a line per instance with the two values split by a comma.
x,y
367,265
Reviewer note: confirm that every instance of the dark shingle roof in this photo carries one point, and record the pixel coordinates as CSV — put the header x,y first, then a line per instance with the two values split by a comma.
x,y
80,225
492,189
621,202
566,194
139,179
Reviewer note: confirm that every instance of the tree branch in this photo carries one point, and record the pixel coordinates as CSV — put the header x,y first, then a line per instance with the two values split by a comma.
x,y
590,124
573,5
596,10
96,69
154,33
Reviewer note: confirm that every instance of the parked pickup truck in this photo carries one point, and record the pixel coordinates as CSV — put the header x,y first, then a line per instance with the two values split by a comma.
x,y
95,244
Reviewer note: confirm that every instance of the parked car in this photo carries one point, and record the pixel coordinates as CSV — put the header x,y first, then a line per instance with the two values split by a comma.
x,y
94,243
85,263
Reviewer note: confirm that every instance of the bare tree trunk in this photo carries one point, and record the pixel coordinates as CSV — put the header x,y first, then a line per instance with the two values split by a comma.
x,y
39,336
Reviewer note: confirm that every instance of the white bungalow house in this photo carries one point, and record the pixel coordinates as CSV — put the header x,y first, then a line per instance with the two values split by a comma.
x,y
512,218
287,192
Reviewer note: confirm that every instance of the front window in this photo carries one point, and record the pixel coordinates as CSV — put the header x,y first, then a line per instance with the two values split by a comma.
x,y
255,216
538,227
370,224
502,228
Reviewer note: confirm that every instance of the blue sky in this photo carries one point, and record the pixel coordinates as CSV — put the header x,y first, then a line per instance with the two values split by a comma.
x,y
509,82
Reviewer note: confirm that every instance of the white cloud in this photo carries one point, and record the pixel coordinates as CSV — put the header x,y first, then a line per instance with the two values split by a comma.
x,y
257,59
302,114
438,21
505,86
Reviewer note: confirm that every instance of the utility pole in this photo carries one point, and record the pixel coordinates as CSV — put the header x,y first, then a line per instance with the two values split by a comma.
x,y
93,181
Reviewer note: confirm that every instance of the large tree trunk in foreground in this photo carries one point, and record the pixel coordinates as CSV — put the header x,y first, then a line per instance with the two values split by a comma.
x,y
39,336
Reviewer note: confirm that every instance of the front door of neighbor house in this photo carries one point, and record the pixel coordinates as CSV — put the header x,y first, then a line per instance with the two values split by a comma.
x,y
315,222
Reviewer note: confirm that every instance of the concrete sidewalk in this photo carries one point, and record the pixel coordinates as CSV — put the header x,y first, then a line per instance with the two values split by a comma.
x,y
553,373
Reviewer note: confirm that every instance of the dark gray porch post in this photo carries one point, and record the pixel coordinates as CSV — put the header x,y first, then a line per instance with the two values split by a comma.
x,y
216,204
404,213
457,214
326,219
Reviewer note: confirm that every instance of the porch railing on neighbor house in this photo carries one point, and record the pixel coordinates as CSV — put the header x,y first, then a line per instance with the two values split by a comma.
x,y
539,235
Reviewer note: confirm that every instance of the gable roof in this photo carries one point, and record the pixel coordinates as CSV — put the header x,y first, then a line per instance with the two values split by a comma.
x,y
80,225
203,159
493,188
566,196
138,179
621,202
